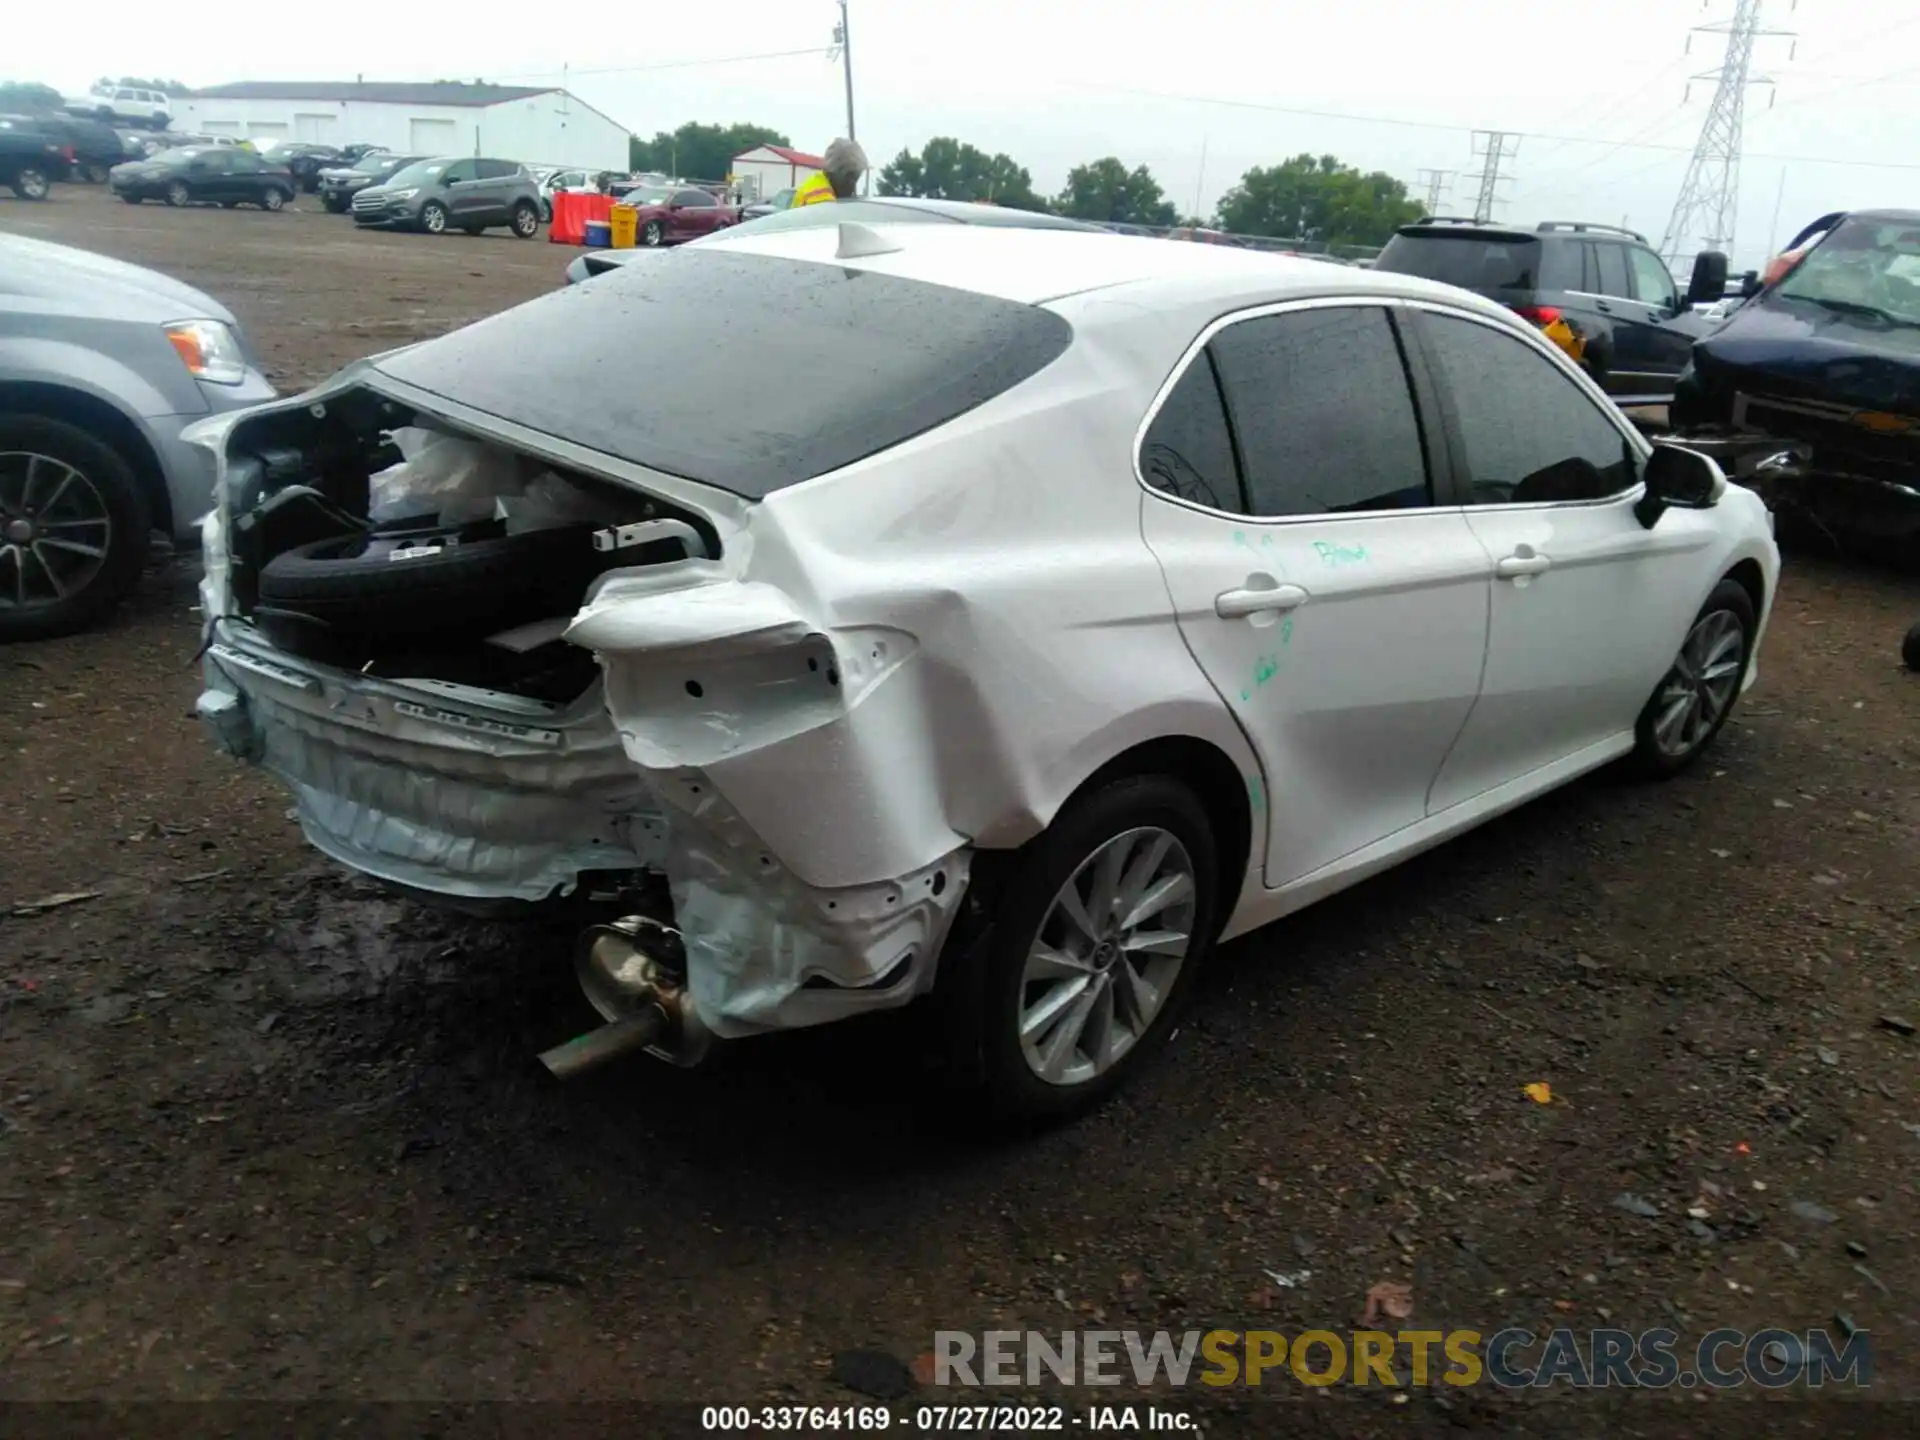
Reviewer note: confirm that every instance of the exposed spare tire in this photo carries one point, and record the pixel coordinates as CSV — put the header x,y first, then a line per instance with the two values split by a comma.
x,y
445,583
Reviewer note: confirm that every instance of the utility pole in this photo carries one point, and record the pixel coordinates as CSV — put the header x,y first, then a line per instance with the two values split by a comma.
x,y
843,42
1492,148
1708,206
1437,182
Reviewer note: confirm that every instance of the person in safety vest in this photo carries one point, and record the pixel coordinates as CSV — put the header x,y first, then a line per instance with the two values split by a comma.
x,y
838,177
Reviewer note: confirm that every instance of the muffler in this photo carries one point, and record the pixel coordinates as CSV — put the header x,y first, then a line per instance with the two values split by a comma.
x,y
633,972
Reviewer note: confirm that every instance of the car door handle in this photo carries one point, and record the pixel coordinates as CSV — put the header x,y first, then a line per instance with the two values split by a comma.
x,y
1236,604
1523,562
1603,307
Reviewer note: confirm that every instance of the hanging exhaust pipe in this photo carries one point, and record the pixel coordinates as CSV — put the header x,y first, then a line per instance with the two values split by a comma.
x,y
633,972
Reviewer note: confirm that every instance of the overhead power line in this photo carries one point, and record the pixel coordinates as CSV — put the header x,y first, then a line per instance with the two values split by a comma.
x,y
1468,129
668,64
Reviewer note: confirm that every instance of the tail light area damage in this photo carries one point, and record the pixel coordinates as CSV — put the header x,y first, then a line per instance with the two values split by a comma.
x,y
641,721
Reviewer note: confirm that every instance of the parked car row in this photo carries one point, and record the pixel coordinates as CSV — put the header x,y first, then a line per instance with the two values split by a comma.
x,y
212,175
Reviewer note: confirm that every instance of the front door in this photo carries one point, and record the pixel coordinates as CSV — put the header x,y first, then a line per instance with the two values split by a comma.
x,y
1338,612
1589,607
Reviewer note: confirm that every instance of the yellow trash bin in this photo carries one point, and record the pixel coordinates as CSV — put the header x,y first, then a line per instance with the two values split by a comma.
x,y
623,227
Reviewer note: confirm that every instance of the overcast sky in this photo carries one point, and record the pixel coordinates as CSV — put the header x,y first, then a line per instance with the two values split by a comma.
x,y
1176,87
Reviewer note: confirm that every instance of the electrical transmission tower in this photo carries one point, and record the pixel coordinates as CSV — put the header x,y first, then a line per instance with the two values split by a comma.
x,y
1437,182
1492,148
1709,203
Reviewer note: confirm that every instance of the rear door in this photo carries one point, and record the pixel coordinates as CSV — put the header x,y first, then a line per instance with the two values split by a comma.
x,y
498,180
210,176
1653,336
1339,611
464,200
1588,606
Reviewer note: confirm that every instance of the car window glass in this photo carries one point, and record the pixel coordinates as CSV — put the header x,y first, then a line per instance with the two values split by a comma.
x,y
495,169
243,164
1529,433
1320,403
692,197
1613,270
1560,266
1188,450
1651,282
458,171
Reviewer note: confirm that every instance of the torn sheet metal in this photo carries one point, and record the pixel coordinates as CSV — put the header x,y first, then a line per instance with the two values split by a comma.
x,y
765,951
439,796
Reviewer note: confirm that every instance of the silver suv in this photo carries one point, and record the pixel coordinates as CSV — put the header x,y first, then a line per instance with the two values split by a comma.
x,y
452,193
102,365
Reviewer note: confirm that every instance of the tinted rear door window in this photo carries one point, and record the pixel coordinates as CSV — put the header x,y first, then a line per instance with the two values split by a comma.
x,y
1613,270
1562,265
1188,451
651,361
1321,406
496,169
1473,262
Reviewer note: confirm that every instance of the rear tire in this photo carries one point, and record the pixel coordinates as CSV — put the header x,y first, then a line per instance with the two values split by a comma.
x,y
275,199
1006,1034
526,221
31,183
178,195
334,204
1693,700
86,478
96,174
1910,649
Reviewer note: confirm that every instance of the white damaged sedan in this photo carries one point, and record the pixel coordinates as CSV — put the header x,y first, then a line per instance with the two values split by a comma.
x,y
995,616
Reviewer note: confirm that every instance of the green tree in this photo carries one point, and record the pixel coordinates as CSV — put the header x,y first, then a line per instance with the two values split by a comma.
x,y
1317,199
1106,191
23,97
699,152
948,169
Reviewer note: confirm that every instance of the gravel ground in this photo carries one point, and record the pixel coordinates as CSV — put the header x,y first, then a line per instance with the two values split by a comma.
x,y
269,1134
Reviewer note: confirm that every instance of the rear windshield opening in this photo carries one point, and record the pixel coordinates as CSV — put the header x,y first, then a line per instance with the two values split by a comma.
x,y
742,371
1473,262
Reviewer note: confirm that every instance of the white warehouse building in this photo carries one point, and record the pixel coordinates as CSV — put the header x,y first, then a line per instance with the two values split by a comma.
x,y
534,125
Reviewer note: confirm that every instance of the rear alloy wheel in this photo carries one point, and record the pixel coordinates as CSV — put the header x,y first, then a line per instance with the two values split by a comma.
x,y
653,234
1692,703
31,183
1091,947
1910,649
178,194
73,528
526,221
275,199
95,174
433,218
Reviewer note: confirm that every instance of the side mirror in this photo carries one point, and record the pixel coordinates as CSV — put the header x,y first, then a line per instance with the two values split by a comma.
x,y
1709,281
1677,478
1749,284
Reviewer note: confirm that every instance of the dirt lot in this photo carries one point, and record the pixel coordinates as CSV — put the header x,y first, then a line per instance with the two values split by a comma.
x,y
268,1133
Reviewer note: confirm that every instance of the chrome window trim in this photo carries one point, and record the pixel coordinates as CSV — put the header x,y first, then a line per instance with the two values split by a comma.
x,y
1193,353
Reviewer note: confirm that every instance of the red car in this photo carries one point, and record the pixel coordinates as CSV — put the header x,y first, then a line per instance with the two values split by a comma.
x,y
683,212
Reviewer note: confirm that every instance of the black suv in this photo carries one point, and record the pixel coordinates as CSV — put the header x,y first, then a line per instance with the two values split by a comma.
x,y
1605,282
